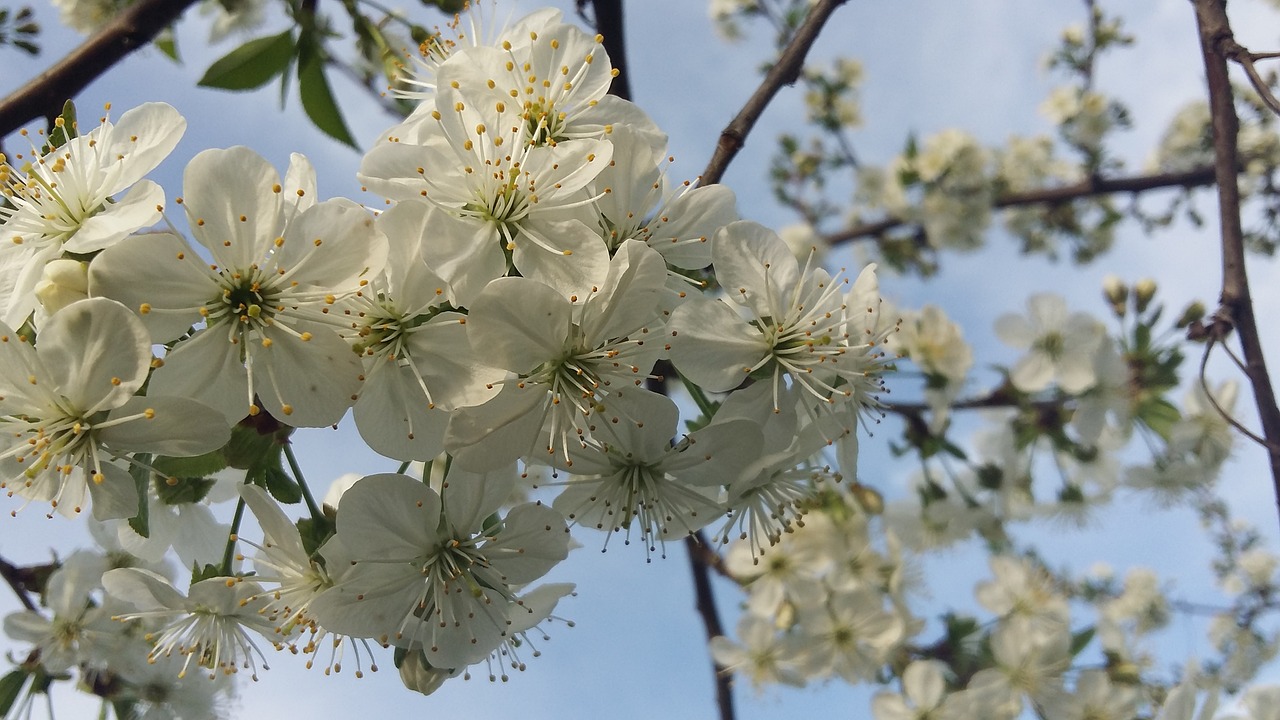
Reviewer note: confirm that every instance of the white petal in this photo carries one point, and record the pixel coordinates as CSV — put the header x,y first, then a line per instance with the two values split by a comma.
x,y
178,427
97,353
223,186
712,345
317,378
161,271
139,208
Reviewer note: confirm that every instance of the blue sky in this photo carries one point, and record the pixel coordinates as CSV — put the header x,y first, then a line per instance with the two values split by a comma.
x,y
637,650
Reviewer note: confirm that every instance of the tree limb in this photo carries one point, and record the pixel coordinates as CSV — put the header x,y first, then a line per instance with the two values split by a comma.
x,y
1216,42
1090,187
44,95
784,72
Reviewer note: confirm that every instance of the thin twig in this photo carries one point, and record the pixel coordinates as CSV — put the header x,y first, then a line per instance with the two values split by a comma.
x,y
705,601
1204,385
1090,187
785,72
1216,40
44,95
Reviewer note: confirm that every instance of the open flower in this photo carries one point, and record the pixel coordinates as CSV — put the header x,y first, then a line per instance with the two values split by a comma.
x,y
208,626
433,570
1060,347
67,409
63,201
279,265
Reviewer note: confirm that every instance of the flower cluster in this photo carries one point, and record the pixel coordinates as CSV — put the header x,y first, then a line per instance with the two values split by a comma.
x,y
506,309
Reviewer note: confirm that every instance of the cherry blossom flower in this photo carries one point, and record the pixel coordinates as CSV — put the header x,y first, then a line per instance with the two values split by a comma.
x,y
430,569
68,410
1060,347
279,265
64,201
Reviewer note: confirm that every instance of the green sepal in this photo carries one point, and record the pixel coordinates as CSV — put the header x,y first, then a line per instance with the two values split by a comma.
x,y
280,484
59,136
247,447
1160,415
167,43
251,65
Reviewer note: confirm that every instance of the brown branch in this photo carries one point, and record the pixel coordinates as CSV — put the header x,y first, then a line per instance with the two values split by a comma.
x,y
609,23
1090,187
44,95
23,581
706,604
785,72
1216,41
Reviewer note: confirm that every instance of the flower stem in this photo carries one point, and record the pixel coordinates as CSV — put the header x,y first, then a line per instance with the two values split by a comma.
x,y
230,552
312,507
699,397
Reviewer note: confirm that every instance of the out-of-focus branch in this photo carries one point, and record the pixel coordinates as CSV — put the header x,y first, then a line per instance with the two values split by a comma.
x,y
22,581
702,559
1216,42
1091,187
608,21
44,95
785,72
705,600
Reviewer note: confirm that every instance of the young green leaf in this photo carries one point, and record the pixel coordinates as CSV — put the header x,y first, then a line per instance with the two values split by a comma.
x,y
317,99
251,65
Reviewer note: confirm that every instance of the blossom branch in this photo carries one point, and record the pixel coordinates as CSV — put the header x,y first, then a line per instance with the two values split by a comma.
x,y
784,72
1216,43
1090,187
44,95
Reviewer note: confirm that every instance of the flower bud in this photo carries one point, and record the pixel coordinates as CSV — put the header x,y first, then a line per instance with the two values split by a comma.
x,y
870,499
63,282
1194,313
1116,293
1143,291
418,674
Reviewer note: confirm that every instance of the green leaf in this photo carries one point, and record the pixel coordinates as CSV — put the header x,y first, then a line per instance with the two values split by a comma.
x,y
1080,640
10,689
251,65
314,533
281,486
317,99
167,43
182,490
208,571
189,467
1160,415
247,447
141,522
